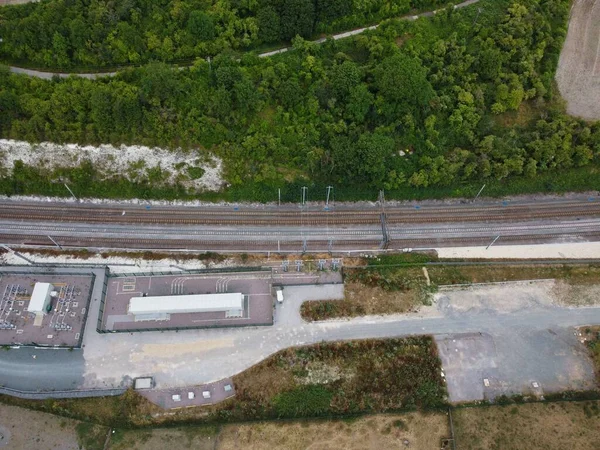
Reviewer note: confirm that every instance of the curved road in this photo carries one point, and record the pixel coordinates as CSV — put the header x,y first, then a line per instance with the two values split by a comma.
x,y
200,356
48,75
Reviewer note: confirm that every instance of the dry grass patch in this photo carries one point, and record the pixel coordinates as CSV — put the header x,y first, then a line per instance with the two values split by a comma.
x,y
127,409
362,300
422,431
386,289
543,426
192,437
573,274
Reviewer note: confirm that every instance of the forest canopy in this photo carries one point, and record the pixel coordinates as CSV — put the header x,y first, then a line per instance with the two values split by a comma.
x,y
96,33
464,96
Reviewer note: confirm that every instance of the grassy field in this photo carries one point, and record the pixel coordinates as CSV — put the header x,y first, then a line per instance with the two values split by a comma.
x,y
330,379
340,378
549,426
395,284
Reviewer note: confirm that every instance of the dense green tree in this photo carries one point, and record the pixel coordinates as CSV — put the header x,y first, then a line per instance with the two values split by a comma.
x,y
268,24
201,26
410,105
344,77
297,19
403,86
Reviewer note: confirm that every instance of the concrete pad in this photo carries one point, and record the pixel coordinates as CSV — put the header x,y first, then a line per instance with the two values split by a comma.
x,y
480,366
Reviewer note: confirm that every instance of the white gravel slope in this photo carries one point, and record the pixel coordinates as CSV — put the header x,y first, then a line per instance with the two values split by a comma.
x,y
130,161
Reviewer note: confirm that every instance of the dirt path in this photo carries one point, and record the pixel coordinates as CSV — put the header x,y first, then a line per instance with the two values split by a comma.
x,y
578,73
16,2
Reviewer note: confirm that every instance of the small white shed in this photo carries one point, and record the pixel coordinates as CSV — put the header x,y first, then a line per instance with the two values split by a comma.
x,y
40,298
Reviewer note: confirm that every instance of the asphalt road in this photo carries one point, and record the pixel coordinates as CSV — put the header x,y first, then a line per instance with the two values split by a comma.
x,y
201,356
31,369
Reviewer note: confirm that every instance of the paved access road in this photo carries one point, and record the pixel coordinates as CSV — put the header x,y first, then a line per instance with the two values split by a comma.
x,y
518,316
199,356
314,227
30,369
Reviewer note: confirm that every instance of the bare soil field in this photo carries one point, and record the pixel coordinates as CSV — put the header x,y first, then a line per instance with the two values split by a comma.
x,y
24,429
550,426
578,73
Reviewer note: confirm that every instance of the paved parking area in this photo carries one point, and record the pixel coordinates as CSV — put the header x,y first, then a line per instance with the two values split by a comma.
x,y
258,308
61,327
482,366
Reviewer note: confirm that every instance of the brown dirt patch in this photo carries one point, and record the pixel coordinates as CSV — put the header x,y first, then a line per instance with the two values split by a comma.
x,y
371,432
579,65
547,426
36,430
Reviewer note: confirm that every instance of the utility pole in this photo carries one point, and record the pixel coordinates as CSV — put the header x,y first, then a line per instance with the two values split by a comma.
x,y
479,193
384,228
279,197
329,189
54,242
71,192
304,189
492,243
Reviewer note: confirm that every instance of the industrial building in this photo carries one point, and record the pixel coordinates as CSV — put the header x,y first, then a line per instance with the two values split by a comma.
x,y
161,307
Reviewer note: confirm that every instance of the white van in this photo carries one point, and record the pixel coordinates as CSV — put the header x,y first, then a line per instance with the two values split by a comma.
x,y
279,292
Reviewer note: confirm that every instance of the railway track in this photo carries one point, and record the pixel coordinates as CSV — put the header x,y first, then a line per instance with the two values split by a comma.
x,y
286,217
291,229
289,243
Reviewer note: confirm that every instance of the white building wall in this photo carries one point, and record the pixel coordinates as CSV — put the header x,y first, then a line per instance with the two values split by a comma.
x,y
175,304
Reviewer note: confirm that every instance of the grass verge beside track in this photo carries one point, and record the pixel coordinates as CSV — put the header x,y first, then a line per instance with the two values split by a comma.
x,y
394,284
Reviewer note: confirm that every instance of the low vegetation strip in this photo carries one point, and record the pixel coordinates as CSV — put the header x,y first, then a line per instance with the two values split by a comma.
x,y
396,284
591,335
